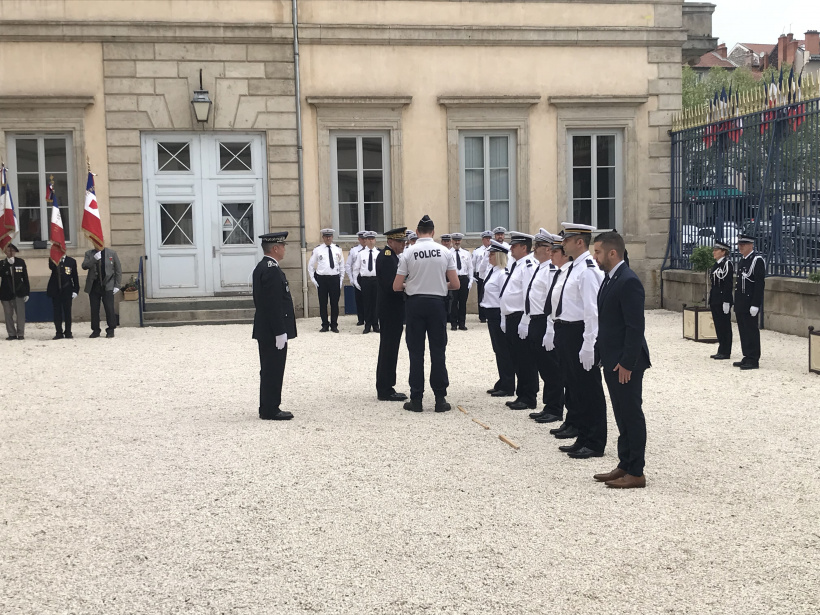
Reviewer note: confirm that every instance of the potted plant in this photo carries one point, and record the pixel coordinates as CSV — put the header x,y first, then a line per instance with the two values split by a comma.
x,y
130,292
697,319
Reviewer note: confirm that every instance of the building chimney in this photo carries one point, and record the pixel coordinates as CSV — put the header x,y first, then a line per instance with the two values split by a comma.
x,y
791,51
782,43
813,42
722,51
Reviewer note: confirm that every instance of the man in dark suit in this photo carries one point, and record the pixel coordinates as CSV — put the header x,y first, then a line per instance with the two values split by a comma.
x,y
63,287
391,316
750,283
274,323
720,299
624,355
103,282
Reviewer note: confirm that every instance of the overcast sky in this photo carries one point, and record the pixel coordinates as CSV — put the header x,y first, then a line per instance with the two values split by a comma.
x,y
762,21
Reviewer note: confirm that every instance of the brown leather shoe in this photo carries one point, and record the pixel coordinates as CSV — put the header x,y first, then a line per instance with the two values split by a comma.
x,y
628,482
616,473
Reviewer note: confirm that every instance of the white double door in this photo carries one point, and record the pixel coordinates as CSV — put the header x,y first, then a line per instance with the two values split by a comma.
x,y
205,206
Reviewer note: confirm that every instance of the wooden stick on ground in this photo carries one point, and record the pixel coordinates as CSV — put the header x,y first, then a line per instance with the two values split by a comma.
x,y
480,423
462,409
508,441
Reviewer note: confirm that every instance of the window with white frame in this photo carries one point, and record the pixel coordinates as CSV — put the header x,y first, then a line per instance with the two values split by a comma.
x,y
487,161
595,178
33,160
360,168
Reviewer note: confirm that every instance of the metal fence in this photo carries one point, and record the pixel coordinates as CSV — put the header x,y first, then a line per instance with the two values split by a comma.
x,y
753,172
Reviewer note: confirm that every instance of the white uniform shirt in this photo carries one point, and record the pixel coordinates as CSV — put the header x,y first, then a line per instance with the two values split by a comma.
x,y
519,278
484,266
319,262
351,260
466,262
580,290
492,287
362,260
426,265
478,256
539,288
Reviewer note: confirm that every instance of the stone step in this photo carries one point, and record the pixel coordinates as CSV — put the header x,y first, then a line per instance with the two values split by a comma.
x,y
199,303
215,315
185,323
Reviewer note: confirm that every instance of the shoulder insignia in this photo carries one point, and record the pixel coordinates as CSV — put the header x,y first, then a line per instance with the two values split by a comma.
x,y
270,264
590,262
552,266
387,252
529,263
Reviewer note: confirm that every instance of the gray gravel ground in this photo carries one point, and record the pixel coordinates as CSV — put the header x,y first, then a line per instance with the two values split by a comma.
x,y
136,478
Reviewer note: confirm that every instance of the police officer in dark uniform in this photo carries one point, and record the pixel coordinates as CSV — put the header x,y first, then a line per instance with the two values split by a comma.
x,y
391,316
430,271
63,287
274,323
751,281
720,299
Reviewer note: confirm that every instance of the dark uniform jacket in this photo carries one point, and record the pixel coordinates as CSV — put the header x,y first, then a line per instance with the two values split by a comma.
x,y
621,322
63,278
721,275
390,302
750,280
274,305
13,279
111,270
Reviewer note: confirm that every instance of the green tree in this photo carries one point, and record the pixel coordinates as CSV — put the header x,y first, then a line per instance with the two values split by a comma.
x,y
700,89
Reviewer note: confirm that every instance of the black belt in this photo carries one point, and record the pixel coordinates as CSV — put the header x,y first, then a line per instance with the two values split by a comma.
x,y
570,323
422,296
538,317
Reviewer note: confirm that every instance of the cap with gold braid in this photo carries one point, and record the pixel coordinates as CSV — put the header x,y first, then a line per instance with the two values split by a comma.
x,y
396,233
572,229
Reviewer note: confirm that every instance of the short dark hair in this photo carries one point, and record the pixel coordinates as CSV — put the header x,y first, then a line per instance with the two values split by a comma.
x,y
612,241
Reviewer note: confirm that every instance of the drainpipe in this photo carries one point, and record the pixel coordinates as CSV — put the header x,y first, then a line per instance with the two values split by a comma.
x,y
299,159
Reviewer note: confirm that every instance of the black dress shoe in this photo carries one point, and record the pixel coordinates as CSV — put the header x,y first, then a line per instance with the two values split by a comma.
x,y
721,357
569,432
744,366
95,334
585,453
558,429
739,363
535,415
491,391
453,327
334,329
393,397
571,448
360,323
548,418
462,327
511,402
59,336
366,329
482,321
502,394
414,405
324,329
21,337
276,416
520,405
11,337
109,334
69,336
442,405
376,329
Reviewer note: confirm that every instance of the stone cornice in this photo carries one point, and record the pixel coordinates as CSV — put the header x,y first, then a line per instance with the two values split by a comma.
x,y
488,101
30,102
336,34
598,101
359,101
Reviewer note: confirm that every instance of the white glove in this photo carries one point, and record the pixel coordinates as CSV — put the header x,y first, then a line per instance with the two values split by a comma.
x,y
25,299
116,290
503,323
97,256
281,340
549,340
470,284
316,284
73,295
754,310
523,329
587,358
726,307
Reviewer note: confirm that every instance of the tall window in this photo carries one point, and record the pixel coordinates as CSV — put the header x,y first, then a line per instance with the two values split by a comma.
x,y
360,167
487,163
33,159
595,178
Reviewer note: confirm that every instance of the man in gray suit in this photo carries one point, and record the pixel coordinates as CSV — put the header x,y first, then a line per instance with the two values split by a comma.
x,y
103,282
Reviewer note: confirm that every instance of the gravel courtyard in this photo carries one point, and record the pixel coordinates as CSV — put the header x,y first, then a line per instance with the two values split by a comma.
x,y
135,477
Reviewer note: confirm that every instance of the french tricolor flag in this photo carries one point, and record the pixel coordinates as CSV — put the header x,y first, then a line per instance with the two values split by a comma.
x,y
57,231
91,216
9,226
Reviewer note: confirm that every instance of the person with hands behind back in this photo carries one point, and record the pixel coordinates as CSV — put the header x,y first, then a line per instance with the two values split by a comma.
x,y
63,287
14,292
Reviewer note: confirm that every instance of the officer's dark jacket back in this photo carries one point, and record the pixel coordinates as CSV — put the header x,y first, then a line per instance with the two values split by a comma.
x,y
63,278
621,322
274,305
13,279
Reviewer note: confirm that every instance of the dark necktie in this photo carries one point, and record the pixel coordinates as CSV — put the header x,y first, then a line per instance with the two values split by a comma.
x,y
458,260
370,261
560,307
489,275
548,302
606,281
507,281
527,298
330,256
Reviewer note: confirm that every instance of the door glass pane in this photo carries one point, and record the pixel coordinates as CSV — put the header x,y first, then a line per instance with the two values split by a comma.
x,y
606,150
26,156
473,152
29,224
177,224
499,184
582,211
606,213
373,186
581,184
28,190
581,152
348,187
372,153
474,184
173,157
237,224
55,155
346,153
235,156
374,217
499,214
499,156
348,218
475,216
606,183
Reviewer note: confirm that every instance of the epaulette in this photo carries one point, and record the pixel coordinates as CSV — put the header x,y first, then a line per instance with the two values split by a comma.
x,y
552,266
529,263
590,262
387,252
271,264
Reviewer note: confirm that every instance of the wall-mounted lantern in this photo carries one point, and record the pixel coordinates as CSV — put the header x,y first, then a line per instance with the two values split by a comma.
x,y
201,102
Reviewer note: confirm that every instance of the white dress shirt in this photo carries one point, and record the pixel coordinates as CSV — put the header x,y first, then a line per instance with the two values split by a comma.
x,y
360,266
580,295
319,262
492,287
513,298
351,260
539,288
477,256
466,263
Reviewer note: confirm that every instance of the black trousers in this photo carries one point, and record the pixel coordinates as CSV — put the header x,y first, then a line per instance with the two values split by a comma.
x,y
390,329
548,367
749,332
506,371
62,312
482,312
522,361
107,298
427,318
370,299
588,409
271,374
329,289
359,307
458,308
723,329
626,406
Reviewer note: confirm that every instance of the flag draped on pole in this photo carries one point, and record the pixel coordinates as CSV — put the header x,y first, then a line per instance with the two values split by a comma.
x,y
9,226
91,215
771,95
57,232
797,109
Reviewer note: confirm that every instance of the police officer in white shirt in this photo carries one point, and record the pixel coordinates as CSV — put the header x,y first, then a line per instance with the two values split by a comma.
x,y
479,255
513,295
351,260
326,269
491,303
364,275
430,271
464,269
576,329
